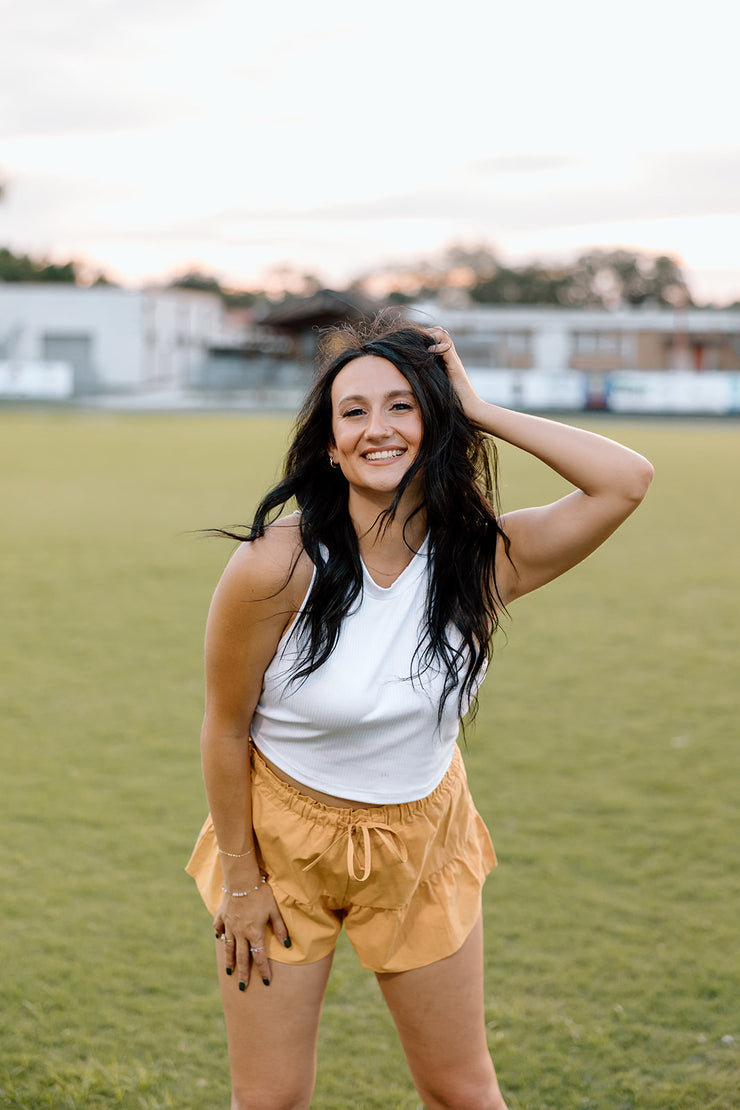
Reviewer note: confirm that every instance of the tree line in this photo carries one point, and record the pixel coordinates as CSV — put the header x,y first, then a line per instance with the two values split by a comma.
x,y
23,267
462,275
597,278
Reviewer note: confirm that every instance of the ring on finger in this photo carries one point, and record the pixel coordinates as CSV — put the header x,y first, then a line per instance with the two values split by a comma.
x,y
260,949
223,937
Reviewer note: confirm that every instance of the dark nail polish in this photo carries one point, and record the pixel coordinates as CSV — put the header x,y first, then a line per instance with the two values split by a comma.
x,y
229,970
242,985
287,942
266,982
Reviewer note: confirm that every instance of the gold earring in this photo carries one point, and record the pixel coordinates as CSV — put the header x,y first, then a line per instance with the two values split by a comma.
x,y
332,464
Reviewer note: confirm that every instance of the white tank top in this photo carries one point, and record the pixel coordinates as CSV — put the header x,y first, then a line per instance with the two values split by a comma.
x,y
360,727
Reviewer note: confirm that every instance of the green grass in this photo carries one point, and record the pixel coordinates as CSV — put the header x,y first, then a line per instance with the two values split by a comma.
x,y
605,761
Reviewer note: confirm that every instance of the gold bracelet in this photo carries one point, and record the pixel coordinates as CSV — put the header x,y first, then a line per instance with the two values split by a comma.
x,y
235,855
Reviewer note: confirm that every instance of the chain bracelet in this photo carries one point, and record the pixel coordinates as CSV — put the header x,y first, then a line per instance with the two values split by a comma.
x,y
244,893
235,855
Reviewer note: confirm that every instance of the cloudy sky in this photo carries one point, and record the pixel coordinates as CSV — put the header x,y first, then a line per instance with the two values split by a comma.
x,y
150,136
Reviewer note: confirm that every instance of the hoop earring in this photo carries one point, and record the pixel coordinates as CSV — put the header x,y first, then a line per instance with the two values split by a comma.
x,y
332,464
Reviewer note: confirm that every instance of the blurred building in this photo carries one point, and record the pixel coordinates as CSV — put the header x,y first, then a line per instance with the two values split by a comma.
x,y
109,339
179,345
544,338
277,351
625,360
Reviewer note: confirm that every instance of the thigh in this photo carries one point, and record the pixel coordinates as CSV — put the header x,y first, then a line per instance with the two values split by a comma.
x,y
439,1012
272,1033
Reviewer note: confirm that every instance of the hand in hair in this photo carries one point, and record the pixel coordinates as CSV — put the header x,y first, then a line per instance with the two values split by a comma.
x,y
445,348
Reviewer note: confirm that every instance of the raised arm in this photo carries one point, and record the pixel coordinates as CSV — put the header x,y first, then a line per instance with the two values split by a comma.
x,y
252,605
610,482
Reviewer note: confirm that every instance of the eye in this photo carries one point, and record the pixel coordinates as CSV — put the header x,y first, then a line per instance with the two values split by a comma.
x,y
402,406
357,411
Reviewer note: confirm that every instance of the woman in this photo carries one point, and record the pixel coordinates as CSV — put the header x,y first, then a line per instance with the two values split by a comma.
x,y
344,644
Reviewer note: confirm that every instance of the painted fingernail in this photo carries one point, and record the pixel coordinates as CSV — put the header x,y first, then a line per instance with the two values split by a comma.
x,y
229,970
266,982
287,942
242,985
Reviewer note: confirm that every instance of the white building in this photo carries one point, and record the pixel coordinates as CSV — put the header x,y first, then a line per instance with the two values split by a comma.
x,y
59,341
625,360
111,339
539,337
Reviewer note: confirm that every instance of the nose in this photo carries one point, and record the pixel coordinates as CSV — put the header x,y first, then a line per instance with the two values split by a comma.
x,y
377,424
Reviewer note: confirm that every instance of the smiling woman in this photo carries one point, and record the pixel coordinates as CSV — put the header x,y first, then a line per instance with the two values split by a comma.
x,y
344,645
376,434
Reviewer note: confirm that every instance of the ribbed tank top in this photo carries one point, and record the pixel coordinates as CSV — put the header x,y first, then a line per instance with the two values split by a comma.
x,y
360,726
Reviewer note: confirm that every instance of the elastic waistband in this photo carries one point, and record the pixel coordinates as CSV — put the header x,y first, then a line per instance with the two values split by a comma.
x,y
395,813
355,824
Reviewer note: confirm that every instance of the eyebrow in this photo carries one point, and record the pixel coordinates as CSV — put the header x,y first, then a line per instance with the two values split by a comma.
x,y
355,397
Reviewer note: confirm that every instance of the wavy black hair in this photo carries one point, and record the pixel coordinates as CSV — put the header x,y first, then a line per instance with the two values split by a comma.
x,y
457,466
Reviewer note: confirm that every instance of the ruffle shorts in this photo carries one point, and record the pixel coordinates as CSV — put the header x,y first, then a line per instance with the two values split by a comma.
x,y
405,880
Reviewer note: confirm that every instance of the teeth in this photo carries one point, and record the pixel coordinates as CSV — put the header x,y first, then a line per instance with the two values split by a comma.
x,y
384,454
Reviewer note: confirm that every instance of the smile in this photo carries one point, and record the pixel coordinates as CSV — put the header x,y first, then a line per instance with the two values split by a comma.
x,y
393,453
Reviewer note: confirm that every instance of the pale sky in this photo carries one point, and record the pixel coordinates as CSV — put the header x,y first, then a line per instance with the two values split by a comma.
x,y
146,137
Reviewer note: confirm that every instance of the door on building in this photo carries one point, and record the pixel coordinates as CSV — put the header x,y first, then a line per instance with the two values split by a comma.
x,y
75,349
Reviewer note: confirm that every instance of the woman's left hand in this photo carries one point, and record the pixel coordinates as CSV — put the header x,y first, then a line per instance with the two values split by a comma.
x,y
445,348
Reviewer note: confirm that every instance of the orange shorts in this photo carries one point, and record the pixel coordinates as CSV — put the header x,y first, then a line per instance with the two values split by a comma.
x,y
405,880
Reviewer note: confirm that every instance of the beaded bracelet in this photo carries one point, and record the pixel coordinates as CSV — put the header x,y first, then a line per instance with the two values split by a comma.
x,y
244,893
236,855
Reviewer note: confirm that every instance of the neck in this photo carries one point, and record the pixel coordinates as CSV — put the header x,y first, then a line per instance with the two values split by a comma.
x,y
404,530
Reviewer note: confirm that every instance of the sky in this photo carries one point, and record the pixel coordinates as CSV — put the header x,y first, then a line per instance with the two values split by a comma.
x,y
150,137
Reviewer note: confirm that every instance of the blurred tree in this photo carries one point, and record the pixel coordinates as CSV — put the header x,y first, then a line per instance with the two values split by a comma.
x,y
598,279
612,278
194,279
21,267
480,261
232,298
527,285
669,282
53,271
456,269
242,298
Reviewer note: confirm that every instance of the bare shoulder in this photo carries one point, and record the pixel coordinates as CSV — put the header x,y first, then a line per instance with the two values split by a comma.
x,y
260,591
274,568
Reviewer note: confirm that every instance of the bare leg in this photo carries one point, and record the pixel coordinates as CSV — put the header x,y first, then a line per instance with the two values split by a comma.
x,y
272,1034
440,1016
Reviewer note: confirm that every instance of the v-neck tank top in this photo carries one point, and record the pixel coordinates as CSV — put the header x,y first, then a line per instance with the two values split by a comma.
x,y
365,724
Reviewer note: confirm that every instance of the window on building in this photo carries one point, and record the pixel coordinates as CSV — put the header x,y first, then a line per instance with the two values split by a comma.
x,y
516,342
597,343
494,348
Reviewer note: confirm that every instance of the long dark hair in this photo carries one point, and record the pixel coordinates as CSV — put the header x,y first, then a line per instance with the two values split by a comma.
x,y
457,466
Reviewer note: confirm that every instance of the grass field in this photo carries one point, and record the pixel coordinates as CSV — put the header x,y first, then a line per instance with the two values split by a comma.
x,y
605,761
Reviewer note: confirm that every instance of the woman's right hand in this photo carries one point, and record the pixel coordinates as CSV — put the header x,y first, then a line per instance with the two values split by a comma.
x,y
241,925
445,348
